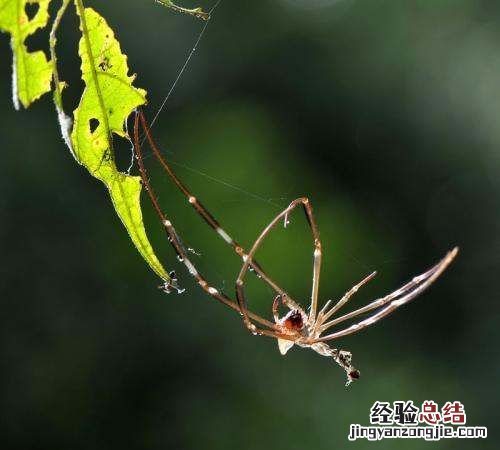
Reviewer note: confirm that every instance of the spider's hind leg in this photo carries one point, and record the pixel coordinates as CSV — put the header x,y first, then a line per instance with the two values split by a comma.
x,y
342,357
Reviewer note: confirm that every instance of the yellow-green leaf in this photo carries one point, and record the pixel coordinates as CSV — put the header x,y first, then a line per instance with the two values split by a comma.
x,y
107,100
31,71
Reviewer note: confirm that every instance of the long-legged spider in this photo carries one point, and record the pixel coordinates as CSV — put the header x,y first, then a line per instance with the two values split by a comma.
x,y
295,327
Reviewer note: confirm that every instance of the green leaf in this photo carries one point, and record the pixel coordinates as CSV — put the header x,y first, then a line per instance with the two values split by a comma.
x,y
107,100
31,71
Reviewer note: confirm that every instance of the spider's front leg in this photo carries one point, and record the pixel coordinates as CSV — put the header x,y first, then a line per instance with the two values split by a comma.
x,y
277,331
342,357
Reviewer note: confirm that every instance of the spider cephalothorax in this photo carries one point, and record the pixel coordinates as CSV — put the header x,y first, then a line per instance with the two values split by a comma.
x,y
296,326
293,321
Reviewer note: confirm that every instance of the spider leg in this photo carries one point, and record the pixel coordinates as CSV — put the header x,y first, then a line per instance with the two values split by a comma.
x,y
293,305
287,302
325,307
317,254
276,304
240,291
393,300
323,316
415,283
248,316
202,211
182,254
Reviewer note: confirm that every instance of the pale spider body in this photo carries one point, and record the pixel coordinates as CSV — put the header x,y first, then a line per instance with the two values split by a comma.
x,y
306,330
305,333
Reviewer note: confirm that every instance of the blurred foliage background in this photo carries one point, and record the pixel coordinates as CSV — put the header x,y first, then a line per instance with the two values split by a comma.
x,y
386,113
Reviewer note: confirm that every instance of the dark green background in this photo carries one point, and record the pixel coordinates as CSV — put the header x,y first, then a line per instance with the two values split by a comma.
x,y
386,113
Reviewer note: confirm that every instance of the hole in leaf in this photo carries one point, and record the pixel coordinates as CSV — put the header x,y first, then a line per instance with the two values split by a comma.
x,y
123,153
37,41
93,124
31,9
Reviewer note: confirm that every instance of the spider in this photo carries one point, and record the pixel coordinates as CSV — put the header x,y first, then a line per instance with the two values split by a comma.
x,y
296,327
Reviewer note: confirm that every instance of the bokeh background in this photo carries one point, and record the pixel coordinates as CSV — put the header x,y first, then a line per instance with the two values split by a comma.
x,y
386,113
